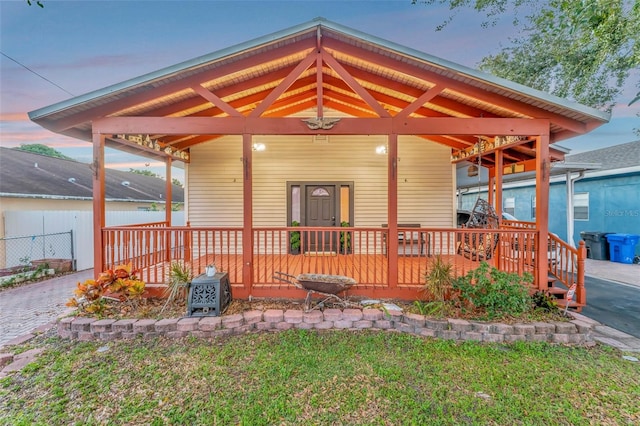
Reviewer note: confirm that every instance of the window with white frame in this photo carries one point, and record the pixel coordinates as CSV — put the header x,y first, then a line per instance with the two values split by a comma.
x,y
581,206
533,207
509,206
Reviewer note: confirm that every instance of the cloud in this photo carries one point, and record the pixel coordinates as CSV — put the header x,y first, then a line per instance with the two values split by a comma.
x,y
14,116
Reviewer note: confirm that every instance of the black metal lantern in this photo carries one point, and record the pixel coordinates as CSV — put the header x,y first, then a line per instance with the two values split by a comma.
x,y
209,296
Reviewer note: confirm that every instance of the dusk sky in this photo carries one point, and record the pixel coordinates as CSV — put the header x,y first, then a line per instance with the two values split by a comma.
x,y
86,45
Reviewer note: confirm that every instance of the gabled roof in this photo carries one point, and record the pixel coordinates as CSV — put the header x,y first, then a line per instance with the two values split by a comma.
x,y
317,69
26,174
612,157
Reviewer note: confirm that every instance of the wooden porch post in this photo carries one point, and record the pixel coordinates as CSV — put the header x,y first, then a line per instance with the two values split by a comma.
x,y
490,185
247,224
392,210
98,203
498,169
580,291
543,168
497,176
167,211
168,193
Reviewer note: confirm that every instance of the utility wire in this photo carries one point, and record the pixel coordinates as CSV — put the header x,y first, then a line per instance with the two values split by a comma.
x,y
39,75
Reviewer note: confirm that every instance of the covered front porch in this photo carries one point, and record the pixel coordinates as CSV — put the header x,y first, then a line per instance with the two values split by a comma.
x,y
341,112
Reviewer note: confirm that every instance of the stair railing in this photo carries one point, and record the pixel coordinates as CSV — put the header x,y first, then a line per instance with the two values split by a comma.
x,y
566,264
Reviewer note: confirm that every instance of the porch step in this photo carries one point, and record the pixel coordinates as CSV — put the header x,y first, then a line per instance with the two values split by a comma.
x,y
562,303
557,292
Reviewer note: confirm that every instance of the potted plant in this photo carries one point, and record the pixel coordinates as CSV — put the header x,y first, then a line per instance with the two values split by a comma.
x,y
294,239
345,239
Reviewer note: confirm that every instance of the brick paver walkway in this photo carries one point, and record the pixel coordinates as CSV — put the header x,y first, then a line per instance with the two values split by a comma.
x,y
24,308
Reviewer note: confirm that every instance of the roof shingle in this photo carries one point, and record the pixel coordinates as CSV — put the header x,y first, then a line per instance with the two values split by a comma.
x,y
28,174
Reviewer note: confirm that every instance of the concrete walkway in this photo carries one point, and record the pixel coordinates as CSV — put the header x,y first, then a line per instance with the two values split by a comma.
x,y
25,309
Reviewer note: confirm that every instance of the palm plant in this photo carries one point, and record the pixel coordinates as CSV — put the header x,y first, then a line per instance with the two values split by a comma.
x,y
178,283
438,282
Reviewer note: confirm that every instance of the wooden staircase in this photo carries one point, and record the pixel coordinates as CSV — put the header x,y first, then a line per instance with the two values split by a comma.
x,y
558,292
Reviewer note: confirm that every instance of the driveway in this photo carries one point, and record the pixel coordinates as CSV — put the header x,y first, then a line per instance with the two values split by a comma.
x,y
614,304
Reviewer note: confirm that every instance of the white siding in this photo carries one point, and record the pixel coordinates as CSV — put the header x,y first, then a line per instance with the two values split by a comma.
x,y
425,184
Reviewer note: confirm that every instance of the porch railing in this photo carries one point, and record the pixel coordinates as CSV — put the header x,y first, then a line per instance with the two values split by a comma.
x,y
361,253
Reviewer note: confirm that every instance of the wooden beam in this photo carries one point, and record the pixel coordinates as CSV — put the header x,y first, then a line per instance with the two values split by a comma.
x,y
290,110
396,86
284,85
355,86
348,109
247,225
319,88
168,193
392,209
222,92
161,90
470,126
98,203
420,101
295,126
215,100
543,171
459,86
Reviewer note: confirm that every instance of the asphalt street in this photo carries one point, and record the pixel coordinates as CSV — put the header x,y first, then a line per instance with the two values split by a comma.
x,y
613,304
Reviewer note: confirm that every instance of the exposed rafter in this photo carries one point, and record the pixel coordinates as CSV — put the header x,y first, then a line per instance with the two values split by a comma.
x,y
377,87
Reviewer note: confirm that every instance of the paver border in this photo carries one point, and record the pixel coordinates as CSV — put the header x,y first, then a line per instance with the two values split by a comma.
x,y
573,332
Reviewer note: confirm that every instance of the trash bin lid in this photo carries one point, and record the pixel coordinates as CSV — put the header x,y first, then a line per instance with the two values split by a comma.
x,y
593,235
625,238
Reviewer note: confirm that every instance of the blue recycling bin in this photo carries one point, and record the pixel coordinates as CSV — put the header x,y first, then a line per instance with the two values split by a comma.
x,y
622,247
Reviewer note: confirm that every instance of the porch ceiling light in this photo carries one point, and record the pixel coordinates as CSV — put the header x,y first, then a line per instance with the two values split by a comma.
x,y
258,147
382,149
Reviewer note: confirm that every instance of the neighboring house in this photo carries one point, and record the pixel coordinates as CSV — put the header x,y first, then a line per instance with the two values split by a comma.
x,y
320,124
30,181
606,193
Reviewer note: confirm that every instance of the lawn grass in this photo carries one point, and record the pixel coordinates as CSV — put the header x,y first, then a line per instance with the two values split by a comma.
x,y
310,377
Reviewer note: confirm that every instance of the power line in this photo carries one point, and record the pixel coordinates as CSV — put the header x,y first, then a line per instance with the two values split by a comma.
x,y
39,75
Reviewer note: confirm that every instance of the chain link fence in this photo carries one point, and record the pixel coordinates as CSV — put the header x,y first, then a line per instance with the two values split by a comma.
x,y
31,251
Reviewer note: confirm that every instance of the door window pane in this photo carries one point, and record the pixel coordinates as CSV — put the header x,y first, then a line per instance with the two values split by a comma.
x,y
295,203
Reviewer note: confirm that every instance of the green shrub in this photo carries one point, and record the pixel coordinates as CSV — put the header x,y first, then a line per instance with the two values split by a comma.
x,y
544,302
496,292
294,238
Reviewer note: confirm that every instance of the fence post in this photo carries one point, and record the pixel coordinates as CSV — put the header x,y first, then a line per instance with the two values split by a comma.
x,y
74,265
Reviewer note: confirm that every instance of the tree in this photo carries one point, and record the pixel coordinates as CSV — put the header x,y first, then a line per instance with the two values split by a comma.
x,y
584,50
176,182
37,2
37,148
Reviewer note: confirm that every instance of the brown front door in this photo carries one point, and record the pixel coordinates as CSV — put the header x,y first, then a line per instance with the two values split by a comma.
x,y
320,201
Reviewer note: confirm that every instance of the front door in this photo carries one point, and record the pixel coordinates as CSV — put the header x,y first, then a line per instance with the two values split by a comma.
x,y
320,202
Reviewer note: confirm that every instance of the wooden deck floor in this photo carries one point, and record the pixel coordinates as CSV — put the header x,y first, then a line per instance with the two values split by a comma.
x,y
370,271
